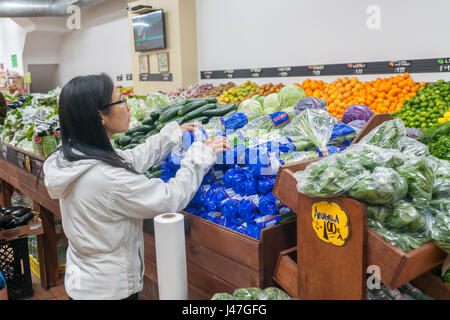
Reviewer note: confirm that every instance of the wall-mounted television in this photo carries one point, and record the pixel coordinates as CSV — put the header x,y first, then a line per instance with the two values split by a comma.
x,y
149,31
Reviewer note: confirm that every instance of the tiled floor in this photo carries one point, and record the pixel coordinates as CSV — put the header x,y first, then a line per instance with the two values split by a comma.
x,y
55,293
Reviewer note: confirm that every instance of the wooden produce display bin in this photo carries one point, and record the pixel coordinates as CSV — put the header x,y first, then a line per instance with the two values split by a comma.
x,y
326,271
396,266
433,286
220,259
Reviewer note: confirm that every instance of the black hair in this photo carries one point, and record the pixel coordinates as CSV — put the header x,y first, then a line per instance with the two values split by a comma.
x,y
81,127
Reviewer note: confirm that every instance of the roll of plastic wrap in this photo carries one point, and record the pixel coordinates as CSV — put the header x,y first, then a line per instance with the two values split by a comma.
x,y
171,256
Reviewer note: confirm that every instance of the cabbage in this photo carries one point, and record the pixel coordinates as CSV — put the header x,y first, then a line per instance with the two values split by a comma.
x,y
357,112
310,103
157,101
260,98
271,103
251,108
138,109
290,95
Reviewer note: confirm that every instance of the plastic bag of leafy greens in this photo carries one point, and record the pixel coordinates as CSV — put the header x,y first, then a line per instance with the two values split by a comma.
x,y
441,186
222,296
404,214
138,109
26,145
411,146
297,156
247,293
378,213
371,156
310,103
331,176
420,177
382,186
387,135
357,124
401,240
272,293
439,231
317,126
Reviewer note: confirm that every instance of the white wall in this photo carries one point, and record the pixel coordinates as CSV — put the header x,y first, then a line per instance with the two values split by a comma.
x,y
261,33
101,45
12,39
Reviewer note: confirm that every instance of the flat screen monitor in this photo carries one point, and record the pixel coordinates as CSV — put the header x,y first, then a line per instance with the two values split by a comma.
x,y
149,31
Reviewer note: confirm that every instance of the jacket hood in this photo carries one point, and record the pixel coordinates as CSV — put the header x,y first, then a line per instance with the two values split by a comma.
x,y
60,174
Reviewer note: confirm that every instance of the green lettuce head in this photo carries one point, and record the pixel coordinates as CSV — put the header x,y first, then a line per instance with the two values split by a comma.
x,y
271,103
290,95
260,98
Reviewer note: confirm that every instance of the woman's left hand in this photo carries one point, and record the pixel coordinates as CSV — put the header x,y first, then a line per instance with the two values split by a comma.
x,y
190,126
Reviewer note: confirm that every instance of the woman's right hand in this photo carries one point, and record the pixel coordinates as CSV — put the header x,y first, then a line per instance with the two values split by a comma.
x,y
218,144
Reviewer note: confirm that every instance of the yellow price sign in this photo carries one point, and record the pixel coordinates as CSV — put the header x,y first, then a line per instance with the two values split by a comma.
x,y
330,222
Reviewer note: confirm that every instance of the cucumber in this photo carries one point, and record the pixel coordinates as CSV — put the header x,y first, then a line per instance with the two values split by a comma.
x,y
137,134
155,168
170,106
142,128
229,114
199,112
130,146
220,111
149,121
160,126
169,114
201,119
208,100
124,140
190,107
136,140
155,115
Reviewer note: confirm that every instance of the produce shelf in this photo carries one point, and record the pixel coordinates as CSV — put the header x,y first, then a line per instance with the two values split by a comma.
x,y
397,267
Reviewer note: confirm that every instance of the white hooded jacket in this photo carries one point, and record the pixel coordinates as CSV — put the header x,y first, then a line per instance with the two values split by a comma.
x,y
103,208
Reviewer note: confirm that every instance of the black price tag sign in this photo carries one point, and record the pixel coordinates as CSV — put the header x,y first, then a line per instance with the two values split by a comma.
x,y
284,71
165,76
256,73
316,70
129,76
357,68
229,73
444,68
119,77
443,61
143,77
207,74
400,66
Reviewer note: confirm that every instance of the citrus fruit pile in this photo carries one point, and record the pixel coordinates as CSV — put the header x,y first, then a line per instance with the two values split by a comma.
x,y
383,95
424,110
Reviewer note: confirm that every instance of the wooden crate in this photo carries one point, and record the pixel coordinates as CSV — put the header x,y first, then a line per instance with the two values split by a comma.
x,y
433,286
397,267
221,260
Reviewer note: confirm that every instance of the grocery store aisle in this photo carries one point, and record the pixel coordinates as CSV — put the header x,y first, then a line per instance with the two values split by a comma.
x,y
55,293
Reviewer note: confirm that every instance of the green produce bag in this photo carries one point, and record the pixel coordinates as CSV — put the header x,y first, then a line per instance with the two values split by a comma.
x,y
413,147
331,176
420,176
440,231
371,157
222,296
383,186
387,135
247,293
272,293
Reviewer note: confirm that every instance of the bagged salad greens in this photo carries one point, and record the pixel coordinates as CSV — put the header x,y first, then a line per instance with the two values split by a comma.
x,y
387,135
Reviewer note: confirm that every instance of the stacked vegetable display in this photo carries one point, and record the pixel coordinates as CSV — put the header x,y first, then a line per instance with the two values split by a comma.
x,y
32,123
406,190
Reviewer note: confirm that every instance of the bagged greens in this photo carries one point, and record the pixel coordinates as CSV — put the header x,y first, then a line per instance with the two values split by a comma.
x,y
382,186
387,135
411,146
419,175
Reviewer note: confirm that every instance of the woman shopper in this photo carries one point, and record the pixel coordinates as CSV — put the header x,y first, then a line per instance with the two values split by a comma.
x,y
102,192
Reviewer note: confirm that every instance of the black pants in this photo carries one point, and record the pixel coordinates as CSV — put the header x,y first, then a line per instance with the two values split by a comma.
x,y
132,297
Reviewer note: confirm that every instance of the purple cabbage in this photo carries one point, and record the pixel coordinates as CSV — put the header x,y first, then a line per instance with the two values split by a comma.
x,y
310,103
357,112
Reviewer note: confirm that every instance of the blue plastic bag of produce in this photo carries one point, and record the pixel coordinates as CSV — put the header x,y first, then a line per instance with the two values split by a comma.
x,y
254,228
248,207
265,184
268,204
229,207
236,121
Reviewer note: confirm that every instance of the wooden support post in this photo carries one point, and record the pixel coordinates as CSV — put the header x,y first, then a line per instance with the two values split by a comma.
x,y
7,191
48,256
331,270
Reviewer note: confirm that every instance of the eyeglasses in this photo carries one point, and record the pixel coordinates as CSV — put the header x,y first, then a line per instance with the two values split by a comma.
x,y
122,100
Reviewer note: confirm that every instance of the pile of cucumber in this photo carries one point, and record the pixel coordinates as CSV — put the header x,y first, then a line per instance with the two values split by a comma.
x,y
189,110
